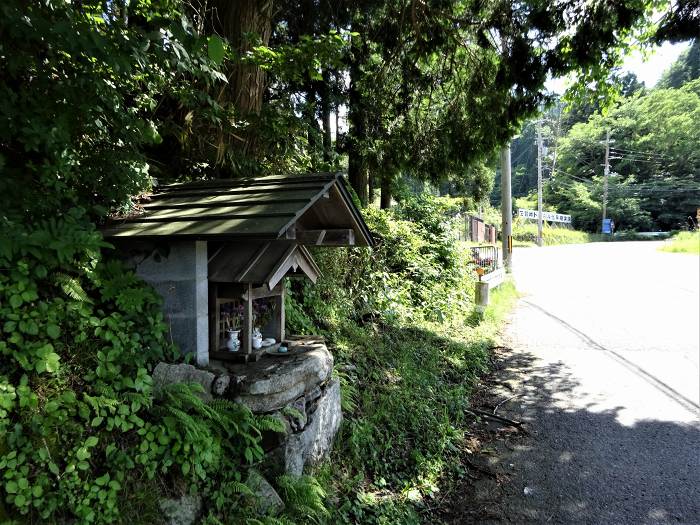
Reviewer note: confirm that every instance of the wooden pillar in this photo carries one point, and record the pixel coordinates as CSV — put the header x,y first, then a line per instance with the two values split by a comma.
x,y
276,325
281,317
214,316
248,320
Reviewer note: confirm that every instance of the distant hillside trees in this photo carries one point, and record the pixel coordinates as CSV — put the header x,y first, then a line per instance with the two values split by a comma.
x,y
655,162
683,70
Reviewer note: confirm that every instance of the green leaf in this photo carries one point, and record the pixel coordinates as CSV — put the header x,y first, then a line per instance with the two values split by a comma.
x,y
96,421
15,301
29,295
37,491
52,362
91,441
53,331
102,480
151,133
215,49
11,487
53,468
20,500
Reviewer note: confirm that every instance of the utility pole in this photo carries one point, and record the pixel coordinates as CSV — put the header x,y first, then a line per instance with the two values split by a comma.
x,y
506,210
539,184
606,174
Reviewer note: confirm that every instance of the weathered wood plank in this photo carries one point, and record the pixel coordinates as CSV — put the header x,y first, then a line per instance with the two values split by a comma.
x,y
261,292
264,227
248,321
165,204
266,188
224,199
257,181
263,210
335,237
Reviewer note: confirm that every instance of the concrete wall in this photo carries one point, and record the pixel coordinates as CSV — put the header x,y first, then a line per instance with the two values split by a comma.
x,y
180,276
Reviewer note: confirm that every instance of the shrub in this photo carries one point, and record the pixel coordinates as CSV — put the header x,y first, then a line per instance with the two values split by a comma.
x,y
398,321
80,432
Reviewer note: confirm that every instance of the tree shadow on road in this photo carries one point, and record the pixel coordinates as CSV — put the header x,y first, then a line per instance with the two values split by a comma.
x,y
573,466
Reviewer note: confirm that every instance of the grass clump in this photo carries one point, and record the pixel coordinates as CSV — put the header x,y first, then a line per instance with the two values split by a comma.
x,y
408,351
683,242
525,234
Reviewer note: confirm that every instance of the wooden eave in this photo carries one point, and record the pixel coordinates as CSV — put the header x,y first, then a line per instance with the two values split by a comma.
x,y
263,209
261,263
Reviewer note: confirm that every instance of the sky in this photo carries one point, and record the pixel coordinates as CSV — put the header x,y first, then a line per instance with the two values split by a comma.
x,y
648,69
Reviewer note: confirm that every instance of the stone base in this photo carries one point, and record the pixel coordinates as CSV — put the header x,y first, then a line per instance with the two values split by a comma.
x,y
297,389
181,511
274,382
312,443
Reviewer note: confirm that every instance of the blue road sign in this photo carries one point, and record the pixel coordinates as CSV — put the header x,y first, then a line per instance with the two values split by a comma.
x,y
607,226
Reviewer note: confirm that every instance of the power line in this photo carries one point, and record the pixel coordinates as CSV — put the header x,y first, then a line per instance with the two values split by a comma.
x,y
649,154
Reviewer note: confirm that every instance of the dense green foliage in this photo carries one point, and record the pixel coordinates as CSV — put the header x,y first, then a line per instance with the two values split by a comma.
x,y
445,69
82,435
683,70
655,166
83,438
408,350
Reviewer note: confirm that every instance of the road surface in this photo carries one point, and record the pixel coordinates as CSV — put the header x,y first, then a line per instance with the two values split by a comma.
x,y
604,369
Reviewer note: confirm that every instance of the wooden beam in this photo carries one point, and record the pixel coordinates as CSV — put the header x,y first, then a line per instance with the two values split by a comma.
x,y
335,237
261,292
251,264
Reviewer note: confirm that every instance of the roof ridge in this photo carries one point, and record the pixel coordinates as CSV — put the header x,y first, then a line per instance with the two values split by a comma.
x,y
243,181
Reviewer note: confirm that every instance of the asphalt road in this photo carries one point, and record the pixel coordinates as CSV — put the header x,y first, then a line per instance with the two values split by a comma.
x,y
604,370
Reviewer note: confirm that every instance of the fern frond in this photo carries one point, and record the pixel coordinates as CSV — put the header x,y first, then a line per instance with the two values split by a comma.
x,y
303,496
72,288
271,424
238,487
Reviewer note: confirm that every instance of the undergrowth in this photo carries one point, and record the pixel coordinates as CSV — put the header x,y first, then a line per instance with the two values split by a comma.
x,y
408,352
683,242
525,234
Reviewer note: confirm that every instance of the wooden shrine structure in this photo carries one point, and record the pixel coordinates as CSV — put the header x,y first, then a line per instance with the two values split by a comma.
x,y
213,249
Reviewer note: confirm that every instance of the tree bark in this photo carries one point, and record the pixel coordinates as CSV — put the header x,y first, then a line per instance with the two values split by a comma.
x,y
372,186
357,164
309,112
326,116
385,199
237,21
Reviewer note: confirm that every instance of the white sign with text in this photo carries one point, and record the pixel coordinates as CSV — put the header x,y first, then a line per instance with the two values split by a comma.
x,y
546,216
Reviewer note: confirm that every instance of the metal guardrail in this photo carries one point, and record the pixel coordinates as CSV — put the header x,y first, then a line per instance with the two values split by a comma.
x,y
487,257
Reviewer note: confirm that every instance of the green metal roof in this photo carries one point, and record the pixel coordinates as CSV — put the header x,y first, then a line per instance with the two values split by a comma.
x,y
260,208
